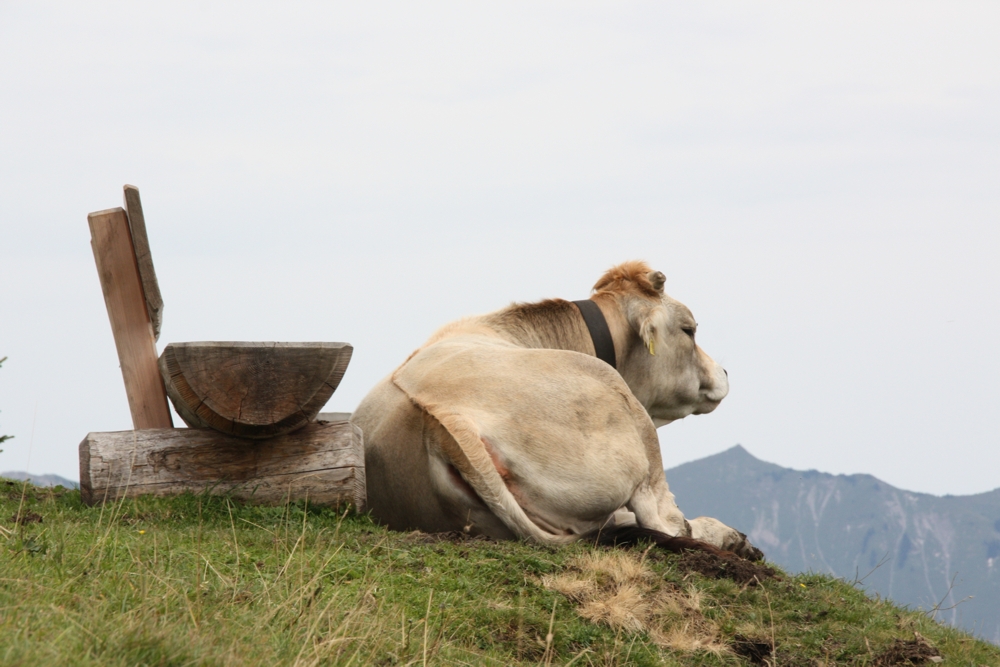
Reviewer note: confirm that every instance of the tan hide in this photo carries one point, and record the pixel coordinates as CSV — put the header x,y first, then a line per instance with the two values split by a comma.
x,y
507,425
562,426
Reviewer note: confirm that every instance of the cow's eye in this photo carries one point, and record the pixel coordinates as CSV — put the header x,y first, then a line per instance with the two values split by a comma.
x,y
689,331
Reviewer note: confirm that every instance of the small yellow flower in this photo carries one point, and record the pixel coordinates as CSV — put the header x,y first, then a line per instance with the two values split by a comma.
x,y
142,532
802,585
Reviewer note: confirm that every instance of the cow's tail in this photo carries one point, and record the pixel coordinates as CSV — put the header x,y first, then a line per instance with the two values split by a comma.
x,y
466,451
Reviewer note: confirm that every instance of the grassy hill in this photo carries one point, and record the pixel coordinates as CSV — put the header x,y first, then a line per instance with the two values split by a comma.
x,y
196,580
915,548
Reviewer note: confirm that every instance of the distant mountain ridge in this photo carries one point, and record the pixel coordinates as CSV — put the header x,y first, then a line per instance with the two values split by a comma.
x,y
40,480
907,546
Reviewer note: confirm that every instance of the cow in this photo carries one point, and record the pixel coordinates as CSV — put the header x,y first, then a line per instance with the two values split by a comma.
x,y
538,421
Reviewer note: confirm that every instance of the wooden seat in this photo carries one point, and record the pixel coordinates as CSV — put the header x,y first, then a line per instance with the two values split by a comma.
x,y
252,390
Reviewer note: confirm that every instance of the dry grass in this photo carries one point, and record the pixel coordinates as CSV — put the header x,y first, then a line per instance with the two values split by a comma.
x,y
620,590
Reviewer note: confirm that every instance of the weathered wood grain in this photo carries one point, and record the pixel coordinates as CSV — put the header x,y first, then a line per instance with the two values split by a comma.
x,y
123,295
323,461
144,259
252,390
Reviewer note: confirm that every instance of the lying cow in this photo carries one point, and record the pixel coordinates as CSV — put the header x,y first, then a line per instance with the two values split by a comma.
x,y
508,425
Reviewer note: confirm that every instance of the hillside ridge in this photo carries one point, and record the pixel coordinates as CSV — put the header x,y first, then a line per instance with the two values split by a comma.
x,y
211,580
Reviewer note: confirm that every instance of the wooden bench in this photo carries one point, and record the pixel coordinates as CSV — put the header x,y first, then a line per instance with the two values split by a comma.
x,y
251,407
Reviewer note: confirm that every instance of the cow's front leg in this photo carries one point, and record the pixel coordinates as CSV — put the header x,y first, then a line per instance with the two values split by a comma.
x,y
666,507
654,510
718,534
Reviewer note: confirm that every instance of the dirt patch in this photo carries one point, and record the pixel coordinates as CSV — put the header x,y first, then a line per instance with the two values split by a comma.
x,y
453,536
26,518
916,651
726,567
757,651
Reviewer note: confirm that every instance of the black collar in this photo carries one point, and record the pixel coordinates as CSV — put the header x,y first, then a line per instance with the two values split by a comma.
x,y
604,346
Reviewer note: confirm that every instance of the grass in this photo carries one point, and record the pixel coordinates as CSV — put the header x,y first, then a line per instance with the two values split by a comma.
x,y
200,580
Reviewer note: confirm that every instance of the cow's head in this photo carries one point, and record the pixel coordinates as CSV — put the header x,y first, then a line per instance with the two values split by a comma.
x,y
670,375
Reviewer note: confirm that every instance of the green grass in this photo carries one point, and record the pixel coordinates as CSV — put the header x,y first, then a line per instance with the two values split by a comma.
x,y
199,580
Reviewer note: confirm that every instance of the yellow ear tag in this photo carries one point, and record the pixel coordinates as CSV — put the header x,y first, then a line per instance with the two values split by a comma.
x,y
651,347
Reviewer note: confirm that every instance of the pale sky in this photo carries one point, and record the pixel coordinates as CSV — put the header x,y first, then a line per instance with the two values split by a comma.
x,y
819,182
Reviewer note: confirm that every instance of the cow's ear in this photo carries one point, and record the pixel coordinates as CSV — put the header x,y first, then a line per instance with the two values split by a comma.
x,y
657,280
651,322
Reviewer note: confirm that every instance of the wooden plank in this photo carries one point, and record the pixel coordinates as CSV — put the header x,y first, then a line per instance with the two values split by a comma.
x,y
252,390
324,462
144,259
130,325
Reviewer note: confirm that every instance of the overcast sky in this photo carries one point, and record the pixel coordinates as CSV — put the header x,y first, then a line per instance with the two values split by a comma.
x,y
819,182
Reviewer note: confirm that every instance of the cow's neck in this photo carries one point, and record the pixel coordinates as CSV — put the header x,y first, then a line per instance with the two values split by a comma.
x,y
558,325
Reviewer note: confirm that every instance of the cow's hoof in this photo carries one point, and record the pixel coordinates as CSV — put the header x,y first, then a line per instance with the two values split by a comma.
x,y
746,550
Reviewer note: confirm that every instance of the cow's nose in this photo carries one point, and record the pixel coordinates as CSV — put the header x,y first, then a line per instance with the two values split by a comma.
x,y
726,372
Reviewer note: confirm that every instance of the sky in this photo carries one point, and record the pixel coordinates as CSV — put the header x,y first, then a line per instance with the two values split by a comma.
x,y
820,183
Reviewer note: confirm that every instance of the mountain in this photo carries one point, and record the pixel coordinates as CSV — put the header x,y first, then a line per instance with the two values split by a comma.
x,y
41,480
906,546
